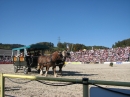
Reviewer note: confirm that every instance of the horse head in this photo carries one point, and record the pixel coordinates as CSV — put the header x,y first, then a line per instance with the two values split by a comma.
x,y
65,54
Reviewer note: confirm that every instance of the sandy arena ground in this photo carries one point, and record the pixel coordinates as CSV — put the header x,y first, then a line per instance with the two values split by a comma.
x,y
78,71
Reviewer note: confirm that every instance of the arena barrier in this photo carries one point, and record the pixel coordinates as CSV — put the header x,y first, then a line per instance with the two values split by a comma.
x,y
117,62
98,63
85,82
73,62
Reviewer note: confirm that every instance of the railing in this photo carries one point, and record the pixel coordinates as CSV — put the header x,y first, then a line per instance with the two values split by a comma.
x,y
85,82
6,62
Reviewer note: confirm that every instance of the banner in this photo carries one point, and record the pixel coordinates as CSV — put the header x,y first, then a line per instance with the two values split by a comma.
x,y
73,63
117,62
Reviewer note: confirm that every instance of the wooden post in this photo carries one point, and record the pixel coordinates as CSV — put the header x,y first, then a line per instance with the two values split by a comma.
x,y
85,87
1,85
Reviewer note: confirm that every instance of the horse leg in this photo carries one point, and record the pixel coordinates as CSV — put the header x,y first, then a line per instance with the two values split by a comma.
x,y
54,70
38,66
41,70
60,69
47,69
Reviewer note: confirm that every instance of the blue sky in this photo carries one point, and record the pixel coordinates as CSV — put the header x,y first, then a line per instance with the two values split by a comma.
x,y
88,22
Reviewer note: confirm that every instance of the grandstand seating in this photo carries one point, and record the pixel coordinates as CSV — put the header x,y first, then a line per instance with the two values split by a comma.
x,y
5,56
119,54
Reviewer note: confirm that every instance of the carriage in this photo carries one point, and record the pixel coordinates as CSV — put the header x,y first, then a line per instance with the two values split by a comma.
x,y
25,58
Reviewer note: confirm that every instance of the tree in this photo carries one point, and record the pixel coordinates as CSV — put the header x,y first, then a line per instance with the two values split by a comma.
x,y
122,43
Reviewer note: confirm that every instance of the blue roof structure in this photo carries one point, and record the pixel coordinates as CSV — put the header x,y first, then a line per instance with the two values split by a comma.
x,y
34,46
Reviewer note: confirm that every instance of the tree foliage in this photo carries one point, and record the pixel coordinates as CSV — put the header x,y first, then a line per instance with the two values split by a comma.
x,y
48,44
71,46
77,47
10,46
122,43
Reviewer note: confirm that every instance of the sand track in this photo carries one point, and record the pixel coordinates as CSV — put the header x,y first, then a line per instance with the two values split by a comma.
x,y
78,71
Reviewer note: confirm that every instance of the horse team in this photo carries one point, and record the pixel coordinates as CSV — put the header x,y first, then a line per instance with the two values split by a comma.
x,y
53,60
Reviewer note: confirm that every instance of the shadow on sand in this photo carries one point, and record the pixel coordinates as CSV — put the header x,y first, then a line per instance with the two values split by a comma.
x,y
75,73
67,73
64,73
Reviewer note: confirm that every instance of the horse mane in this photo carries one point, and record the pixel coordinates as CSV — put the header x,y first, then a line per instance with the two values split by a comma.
x,y
56,56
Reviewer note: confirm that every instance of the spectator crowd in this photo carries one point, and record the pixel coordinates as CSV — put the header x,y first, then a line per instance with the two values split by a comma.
x,y
5,60
120,54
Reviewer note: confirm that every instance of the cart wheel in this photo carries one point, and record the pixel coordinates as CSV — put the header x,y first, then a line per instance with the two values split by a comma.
x,y
25,70
15,69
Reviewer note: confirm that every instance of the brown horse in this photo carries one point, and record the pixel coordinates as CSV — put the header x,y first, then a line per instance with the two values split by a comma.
x,y
49,61
61,63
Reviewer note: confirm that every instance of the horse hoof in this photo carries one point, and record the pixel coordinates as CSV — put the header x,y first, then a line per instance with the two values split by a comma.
x,y
41,74
45,75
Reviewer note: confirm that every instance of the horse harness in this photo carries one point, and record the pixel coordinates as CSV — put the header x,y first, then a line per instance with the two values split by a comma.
x,y
51,61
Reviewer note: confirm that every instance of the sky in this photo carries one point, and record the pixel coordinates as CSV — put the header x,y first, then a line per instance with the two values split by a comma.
x,y
88,22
